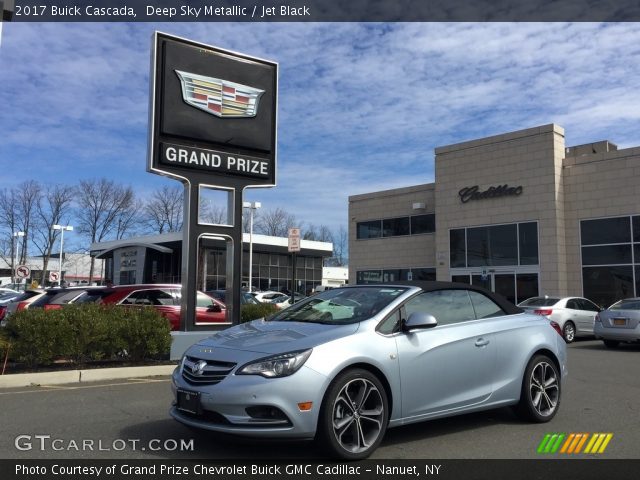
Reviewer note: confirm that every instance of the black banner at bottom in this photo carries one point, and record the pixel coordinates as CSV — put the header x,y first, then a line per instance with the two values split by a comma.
x,y
583,469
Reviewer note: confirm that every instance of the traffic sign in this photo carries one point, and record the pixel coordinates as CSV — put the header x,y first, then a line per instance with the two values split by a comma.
x,y
294,240
54,276
22,271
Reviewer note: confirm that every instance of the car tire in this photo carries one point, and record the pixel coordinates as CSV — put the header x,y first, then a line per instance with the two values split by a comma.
x,y
541,388
354,415
611,343
569,332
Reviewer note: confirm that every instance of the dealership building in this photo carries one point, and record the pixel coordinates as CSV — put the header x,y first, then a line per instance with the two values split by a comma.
x,y
519,213
158,259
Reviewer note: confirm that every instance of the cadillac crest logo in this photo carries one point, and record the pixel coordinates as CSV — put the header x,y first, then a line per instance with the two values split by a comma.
x,y
219,97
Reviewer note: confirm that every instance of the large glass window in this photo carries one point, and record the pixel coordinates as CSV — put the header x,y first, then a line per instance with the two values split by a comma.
x,y
605,230
457,246
606,285
395,227
390,275
423,224
528,242
606,254
371,229
494,245
610,258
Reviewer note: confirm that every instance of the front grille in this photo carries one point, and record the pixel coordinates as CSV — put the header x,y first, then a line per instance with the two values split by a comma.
x,y
213,372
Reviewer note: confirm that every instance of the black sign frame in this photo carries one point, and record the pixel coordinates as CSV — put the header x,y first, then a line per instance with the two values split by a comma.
x,y
175,122
202,149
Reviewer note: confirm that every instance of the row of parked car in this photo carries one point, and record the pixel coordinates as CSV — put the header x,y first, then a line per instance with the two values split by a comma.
x,y
576,316
165,298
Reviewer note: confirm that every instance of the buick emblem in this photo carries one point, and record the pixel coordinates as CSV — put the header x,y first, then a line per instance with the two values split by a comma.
x,y
198,367
218,97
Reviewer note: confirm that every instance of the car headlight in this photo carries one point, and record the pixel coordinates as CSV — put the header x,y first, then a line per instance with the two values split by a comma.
x,y
276,366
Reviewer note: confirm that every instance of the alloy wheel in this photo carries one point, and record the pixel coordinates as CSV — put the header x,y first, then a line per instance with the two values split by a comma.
x,y
544,388
569,332
358,415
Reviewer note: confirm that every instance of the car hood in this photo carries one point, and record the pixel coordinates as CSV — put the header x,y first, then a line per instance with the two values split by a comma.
x,y
261,336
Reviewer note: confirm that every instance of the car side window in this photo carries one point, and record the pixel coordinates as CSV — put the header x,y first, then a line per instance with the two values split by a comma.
x,y
447,306
203,300
573,304
135,298
588,305
160,297
484,307
389,324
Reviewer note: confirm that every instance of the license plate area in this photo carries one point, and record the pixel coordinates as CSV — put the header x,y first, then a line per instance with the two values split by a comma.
x,y
189,402
620,322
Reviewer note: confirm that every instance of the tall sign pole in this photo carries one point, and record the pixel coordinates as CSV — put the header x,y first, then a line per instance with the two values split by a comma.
x,y
294,247
212,119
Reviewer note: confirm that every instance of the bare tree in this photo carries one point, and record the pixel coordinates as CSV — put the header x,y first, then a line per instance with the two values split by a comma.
x,y
128,219
9,225
101,202
28,196
340,247
54,209
276,222
164,210
310,232
212,213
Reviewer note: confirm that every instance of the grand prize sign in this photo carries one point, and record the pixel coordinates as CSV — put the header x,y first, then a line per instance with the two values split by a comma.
x,y
213,116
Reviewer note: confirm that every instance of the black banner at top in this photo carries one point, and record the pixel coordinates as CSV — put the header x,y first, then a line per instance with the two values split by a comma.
x,y
326,10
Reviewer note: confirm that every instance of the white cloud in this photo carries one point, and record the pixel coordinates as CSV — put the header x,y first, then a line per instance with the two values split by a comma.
x,y
362,106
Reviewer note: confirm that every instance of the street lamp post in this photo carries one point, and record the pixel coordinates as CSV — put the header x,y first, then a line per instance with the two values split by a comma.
x,y
15,254
252,206
62,229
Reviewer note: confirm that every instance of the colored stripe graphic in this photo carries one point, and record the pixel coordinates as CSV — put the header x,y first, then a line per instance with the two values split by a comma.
x,y
573,443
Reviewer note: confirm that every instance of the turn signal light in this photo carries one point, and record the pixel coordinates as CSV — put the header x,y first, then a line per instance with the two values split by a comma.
x,y
305,406
556,327
598,319
543,311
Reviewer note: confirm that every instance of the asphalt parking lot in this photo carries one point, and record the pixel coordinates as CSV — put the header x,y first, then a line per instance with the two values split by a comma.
x,y
129,419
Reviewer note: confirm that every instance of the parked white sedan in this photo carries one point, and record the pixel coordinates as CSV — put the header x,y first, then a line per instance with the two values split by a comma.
x,y
575,315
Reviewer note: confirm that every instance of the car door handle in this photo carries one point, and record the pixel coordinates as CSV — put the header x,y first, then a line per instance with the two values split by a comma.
x,y
481,342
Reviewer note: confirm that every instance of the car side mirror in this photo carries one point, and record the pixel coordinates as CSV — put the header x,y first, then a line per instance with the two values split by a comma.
x,y
215,308
419,320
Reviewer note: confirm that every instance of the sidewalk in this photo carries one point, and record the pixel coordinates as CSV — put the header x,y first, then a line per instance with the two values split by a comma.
x,y
77,376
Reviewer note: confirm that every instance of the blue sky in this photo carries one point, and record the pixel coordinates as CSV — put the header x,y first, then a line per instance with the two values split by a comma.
x,y
361,106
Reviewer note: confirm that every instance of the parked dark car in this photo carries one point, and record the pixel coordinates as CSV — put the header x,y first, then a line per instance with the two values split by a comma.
x,y
56,298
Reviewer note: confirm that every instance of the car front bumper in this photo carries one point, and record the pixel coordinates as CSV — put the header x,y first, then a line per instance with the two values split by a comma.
x,y
251,405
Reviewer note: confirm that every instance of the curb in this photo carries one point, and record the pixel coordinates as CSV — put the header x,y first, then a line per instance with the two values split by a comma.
x,y
81,376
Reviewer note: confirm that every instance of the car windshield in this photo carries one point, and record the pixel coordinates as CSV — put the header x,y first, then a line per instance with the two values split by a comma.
x,y
539,302
631,304
340,306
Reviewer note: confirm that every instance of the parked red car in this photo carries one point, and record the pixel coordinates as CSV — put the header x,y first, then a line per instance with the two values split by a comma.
x,y
166,299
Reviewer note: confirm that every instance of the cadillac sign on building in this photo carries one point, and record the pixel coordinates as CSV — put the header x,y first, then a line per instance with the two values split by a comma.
x,y
213,113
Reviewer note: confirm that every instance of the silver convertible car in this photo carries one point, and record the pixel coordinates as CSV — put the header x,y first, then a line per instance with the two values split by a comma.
x,y
346,364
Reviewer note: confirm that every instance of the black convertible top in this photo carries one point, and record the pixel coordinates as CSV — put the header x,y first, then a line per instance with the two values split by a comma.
x,y
430,286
